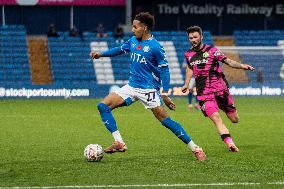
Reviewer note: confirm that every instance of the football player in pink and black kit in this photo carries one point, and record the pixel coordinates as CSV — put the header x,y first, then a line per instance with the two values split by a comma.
x,y
204,62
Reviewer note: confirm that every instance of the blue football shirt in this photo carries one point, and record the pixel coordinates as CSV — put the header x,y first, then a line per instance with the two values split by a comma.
x,y
147,57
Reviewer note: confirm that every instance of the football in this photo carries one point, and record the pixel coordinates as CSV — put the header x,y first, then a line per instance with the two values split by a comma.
x,y
94,152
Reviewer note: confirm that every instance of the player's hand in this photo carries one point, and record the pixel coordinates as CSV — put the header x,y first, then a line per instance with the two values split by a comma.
x,y
95,55
248,67
184,88
168,102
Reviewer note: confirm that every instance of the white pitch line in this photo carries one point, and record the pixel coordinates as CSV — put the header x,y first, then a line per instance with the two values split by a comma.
x,y
146,185
276,183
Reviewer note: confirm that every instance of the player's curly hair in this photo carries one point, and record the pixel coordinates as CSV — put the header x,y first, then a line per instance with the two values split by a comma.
x,y
192,29
146,18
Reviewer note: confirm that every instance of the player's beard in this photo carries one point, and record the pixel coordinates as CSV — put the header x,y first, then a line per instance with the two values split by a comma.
x,y
197,47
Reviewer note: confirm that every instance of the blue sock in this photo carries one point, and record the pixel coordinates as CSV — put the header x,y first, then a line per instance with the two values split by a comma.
x,y
107,117
189,96
177,129
196,100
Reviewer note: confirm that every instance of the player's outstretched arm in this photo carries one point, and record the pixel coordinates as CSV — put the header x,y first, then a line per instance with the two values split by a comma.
x,y
235,64
124,48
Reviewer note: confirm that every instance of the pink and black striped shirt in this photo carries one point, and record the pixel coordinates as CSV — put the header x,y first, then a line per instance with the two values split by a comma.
x,y
207,69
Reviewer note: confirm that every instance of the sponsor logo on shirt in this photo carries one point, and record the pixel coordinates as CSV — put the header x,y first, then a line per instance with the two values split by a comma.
x,y
136,57
203,61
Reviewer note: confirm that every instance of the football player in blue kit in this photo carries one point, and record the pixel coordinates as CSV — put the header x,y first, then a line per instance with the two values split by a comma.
x,y
149,71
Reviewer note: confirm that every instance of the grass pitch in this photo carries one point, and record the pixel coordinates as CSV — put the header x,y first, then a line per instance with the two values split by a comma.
x,y
42,144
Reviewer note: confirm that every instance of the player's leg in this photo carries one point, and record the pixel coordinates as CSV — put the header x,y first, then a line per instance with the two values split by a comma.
x,y
226,103
110,102
233,116
218,122
229,108
223,131
105,107
210,109
152,100
160,113
189,98
194,92
190,94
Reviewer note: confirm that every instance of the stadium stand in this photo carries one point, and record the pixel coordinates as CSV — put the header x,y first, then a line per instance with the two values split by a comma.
x,y
70,63
258,38
14,64
120,64
267,61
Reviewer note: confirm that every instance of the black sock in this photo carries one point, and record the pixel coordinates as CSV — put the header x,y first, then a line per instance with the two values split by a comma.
x,y
223,136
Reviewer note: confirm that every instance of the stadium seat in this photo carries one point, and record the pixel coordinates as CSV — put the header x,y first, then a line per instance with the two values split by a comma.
x,y
267,62
14,61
